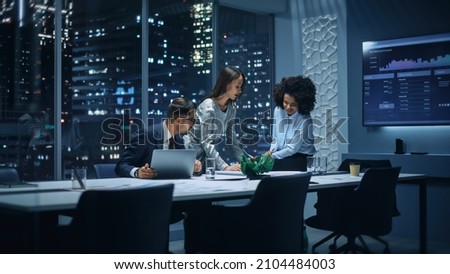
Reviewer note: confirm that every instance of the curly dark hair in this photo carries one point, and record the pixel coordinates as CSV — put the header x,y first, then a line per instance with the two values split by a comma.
x,y
301,88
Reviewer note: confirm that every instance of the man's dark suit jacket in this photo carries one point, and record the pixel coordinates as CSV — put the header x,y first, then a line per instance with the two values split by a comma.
x,y
141,147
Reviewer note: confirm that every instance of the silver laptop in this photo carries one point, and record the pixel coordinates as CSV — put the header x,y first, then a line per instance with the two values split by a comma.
x,y
173,163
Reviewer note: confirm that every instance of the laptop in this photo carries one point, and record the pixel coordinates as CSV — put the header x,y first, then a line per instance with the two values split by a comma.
x,y
173,163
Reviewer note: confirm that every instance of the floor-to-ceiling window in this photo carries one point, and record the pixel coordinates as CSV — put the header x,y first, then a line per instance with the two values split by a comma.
x,y
103,80
27,44
244,39
106,60
180,52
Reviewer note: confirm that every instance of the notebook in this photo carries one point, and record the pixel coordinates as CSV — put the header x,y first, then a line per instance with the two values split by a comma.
x,y
173,163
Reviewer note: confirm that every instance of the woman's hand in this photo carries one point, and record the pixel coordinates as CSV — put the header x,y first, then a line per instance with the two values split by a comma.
x,y
197,166
235,167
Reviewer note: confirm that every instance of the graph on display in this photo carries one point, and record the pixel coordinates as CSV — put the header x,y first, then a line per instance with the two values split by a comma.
x,y
406,81
418,63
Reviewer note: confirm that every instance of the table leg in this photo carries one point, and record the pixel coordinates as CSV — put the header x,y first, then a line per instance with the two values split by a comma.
x,y
423,216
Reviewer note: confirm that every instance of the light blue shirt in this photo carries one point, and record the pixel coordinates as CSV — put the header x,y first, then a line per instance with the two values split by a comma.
x,y
291,134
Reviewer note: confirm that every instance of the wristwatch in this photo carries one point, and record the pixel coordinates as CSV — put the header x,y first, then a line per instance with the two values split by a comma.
x,y
136,173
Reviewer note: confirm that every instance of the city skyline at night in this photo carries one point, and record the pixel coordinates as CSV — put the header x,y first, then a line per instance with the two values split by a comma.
x,y
102,72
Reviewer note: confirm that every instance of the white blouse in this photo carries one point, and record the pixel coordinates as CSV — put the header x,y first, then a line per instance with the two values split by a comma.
x,y
211,125
291,134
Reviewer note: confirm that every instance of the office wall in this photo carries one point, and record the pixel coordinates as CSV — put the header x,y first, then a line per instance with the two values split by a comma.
x,y
372,20
310,40
386,19
360,21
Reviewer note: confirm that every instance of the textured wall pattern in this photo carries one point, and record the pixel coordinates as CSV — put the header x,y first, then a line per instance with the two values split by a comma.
x,y
320,63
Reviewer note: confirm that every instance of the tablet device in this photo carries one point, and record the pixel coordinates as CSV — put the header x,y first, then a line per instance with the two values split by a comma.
x,y
173,163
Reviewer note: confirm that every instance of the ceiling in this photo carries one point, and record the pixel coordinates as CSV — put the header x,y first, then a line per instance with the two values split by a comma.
x,y
262,6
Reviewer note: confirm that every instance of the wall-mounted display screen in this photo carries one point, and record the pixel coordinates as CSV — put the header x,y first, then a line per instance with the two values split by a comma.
x,y
406,81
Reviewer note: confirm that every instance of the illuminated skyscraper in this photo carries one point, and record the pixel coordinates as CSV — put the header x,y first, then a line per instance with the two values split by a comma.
x,y
202,55
180,46
27,50
102,71
244,41
106,61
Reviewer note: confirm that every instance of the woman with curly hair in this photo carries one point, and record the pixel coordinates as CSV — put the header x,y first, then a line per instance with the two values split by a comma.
x,y
292,132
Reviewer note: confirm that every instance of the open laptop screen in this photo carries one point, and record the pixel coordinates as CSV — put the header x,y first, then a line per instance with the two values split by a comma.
x,y
173,163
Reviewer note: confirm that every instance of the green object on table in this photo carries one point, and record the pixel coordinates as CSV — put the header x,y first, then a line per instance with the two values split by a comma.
x,y
263,163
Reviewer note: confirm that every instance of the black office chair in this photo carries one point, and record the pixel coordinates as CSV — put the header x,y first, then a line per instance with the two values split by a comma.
x,y
368,210
9,175
10,237
329,201
296,162
131,220
105,171
271,222
364,165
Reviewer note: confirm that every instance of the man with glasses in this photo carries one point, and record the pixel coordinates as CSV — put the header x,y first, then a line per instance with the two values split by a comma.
x,y
135,159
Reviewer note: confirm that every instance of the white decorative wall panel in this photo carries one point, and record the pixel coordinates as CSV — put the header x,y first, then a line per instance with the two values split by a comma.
x,y
320,63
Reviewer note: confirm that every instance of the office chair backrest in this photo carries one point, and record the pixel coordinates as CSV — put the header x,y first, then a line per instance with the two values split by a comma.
x,y
9,175
105,171
290,164
277,213
365,164
376,200
133,220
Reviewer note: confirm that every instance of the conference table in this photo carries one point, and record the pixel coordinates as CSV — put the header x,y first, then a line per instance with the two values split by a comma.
x,y
58,196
